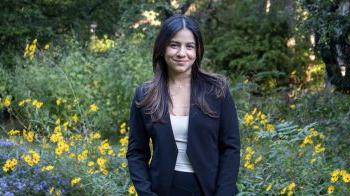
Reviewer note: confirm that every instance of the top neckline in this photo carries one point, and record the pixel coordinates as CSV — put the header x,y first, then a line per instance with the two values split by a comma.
x,y
177,116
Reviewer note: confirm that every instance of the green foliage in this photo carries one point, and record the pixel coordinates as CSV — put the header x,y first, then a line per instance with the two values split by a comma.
x,y
81,78
54,20
302,147
246,40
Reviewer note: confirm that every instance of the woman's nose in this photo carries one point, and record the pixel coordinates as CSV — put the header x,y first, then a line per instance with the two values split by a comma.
x,y
181,52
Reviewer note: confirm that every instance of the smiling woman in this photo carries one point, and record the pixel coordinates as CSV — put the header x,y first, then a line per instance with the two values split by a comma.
x,y
191,118
180,54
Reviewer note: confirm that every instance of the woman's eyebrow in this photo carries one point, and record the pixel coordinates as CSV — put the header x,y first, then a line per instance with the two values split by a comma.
x,y
178,42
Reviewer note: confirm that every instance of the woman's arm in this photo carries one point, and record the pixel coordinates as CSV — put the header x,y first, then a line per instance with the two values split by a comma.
x,y
138,153
229,148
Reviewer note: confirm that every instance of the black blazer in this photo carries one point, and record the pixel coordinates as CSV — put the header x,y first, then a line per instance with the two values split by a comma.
x,y
213,148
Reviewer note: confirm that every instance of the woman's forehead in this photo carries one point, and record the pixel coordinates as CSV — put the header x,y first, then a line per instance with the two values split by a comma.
x,y
184,35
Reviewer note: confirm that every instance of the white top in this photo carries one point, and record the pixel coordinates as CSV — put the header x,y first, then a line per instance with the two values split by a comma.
x,y
180,129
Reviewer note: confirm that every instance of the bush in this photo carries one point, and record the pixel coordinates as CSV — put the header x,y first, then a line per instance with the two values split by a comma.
x,y
74,78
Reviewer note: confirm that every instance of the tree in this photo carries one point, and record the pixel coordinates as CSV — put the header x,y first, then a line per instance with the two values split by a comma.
x,y
329,21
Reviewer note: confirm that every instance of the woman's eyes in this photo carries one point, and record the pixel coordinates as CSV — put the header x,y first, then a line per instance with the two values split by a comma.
x,y
174,45
177,46
190,46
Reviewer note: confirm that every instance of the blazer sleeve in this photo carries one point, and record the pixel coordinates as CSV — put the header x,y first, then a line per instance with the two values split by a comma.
x,y
229,148
138,153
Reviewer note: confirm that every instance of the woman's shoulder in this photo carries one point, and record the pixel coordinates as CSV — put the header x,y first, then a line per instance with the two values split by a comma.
x,y
142,89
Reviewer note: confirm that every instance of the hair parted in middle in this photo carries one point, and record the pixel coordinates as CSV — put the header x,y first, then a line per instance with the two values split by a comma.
x,y
157,96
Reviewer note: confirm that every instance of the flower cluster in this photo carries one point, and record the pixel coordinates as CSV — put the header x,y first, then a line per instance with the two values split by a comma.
x,y
313,139
9,165
335,176
32,158
101,45
248,156
28,135
30,49
7,101
123,141
105,148
36,103
75,181
290,188
258,121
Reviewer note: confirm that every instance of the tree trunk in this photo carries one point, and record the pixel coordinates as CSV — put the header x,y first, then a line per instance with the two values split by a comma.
x,y
336,56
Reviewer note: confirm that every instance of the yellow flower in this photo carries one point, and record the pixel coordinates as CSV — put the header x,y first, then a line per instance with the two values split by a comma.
x,y
37,104
292,106
65,126
122,130
91,163
95,135
72,155
21,103
330,189
124,141
249,165
57,129
75,118
313,132
123,125
30,49
13,132
32,158
93,108
342,172
62,147
132,189
270,127
291,186
346,177
58,101
47,46
83,155
29,136
122,152
124,165
248,119
105,147
321,135
308,140
334,179
283,191
318,148
76,137
75,181
250,150
47,168
269,187
312,160
56,137
101,161
7,101
58,121
258,159
58,192
9,165
52,189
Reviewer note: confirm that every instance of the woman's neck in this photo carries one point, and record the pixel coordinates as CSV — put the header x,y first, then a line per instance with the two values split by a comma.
x,y
180,80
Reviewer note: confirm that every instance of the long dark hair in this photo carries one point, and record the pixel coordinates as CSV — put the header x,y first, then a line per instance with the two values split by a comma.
x,y
157,96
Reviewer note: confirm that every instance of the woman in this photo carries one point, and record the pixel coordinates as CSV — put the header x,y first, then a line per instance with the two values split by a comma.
x,y
190,117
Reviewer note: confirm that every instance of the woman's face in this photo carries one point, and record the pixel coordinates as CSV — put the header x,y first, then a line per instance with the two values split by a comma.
x,y
180,53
